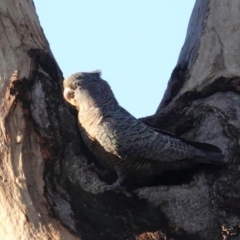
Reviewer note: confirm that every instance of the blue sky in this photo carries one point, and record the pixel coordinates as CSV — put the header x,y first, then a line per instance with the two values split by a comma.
x,y
134,43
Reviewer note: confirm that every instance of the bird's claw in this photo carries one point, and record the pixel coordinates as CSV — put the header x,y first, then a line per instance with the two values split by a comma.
x,y
116,187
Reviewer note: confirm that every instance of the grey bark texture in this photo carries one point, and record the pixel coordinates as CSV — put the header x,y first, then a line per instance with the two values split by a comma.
x,y
46,192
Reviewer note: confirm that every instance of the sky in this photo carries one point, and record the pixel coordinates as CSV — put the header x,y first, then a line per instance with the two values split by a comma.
x,y
134,43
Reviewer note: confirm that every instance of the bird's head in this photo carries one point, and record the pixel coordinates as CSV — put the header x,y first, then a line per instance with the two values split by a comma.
x,y
86,89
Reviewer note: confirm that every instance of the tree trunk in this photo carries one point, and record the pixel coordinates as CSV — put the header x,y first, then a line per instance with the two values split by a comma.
x,y
27,69
46,190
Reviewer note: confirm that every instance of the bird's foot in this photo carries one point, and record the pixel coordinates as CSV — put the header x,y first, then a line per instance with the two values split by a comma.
x,y
116,187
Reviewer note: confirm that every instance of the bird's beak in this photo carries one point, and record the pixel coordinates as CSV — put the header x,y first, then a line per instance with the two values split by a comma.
x,y
69,95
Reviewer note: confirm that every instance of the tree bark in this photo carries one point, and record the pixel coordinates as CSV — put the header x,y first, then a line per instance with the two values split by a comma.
x,y
46,190
25,212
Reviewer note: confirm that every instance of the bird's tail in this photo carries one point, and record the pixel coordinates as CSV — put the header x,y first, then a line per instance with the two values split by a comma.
x,y
207,153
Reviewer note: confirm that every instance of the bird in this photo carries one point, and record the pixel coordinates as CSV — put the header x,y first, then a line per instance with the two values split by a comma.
x,y
124,144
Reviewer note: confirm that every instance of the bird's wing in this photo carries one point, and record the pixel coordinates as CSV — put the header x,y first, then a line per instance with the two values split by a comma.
x,y
128,137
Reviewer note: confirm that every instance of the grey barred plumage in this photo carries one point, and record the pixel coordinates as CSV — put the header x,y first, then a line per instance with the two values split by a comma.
x,y
123,143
